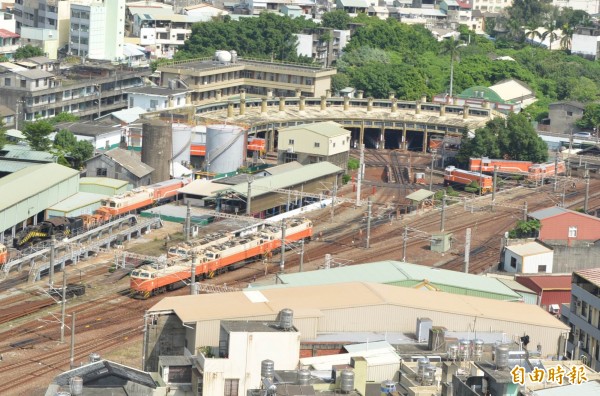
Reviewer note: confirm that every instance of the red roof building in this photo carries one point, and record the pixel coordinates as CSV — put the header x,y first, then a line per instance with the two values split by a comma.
x,y
551,289
564,226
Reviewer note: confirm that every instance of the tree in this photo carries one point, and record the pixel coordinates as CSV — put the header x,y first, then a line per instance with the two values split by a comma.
x,y
513,138
339,81
64,140
2,135
567,38
64,117
591,116
37,132
28,51
338,19
525,229
81,151
451,46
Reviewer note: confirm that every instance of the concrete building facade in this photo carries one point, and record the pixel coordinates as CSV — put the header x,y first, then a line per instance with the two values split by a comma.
x,y
586,42
157,98
120,164
563,115
528,258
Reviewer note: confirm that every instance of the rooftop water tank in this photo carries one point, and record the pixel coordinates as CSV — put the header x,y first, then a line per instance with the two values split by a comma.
x,y
429,375
267,368
303,377
387,387
453,351
421,364
464,349
76,385
223,56
286,319
477,348
225,146
347,381
501,357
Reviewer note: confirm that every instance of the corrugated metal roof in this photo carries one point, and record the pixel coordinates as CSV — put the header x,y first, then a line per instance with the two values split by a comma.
x,y
30,181
549,282
388,272
25,153
291,178
354,3
202,187
279,169
511,89
13,166
528,249
130,160
516,286
308,301
77,201
328,129
591,274
103,181
548,212
34,73
420,195
591,388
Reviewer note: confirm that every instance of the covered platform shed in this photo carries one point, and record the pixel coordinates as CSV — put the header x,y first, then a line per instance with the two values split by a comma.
x,y
420,198
75,205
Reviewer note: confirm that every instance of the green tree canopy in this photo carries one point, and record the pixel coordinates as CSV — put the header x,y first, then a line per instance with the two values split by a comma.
x,y
338,19
513,138
64,140
591,116
28,51
2,135
81,151
37,132
64,117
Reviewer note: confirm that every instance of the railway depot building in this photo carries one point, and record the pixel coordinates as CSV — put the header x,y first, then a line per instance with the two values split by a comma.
x,y
186,325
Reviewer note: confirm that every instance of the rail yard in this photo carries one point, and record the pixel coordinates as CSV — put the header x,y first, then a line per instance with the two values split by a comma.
x,y
110,322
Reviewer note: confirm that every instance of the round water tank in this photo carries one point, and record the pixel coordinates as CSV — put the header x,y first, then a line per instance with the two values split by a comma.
x,y
477,348
303,377
387,387
501,357
286,319
182,141
267,368
453,351
76,385
157,142
94,357
464,349
429,375
224,148
421,363
223,56
347,381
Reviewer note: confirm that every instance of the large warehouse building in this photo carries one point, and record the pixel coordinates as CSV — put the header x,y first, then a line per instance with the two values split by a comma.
x,y
30,191
176,326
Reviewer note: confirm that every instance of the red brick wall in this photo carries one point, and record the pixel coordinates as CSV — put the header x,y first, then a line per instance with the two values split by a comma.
x,y
557,228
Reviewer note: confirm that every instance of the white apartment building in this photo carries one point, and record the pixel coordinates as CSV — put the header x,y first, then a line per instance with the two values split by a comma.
x,y
491,5
589,6
97,29
586,42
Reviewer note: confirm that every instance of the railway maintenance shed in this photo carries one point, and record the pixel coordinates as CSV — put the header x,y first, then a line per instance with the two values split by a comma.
x,y
31,191
103,185
75,205
398,273
175,326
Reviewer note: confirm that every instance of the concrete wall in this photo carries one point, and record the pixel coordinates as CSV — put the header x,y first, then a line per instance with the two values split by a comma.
x,y
563,116
165,335
557,228
584,45
569,258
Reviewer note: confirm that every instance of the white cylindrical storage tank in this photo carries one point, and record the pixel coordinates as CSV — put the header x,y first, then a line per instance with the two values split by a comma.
x,y
421,364
225,146
347,381
182,141
223,56
76,385
199,134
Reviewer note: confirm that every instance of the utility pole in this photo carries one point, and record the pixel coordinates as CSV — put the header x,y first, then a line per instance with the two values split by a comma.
x,y
443,220
431,170
359,176
249,196
555,171
467,249
282,258
193,274
72,363
587,190
188,221
404,240
52,259
525,211
495,180
301,254
369,203
481,178
63,307
333,198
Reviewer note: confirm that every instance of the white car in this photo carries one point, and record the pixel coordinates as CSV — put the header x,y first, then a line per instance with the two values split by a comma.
x,y
584,135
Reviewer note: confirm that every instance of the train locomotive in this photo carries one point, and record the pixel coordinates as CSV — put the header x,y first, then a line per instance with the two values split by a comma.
x,y
464,177
215,258
129,202
528,168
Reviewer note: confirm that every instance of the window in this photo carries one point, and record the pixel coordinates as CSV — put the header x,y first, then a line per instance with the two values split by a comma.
x,y
541,268
153,104
317,144
570,113
231,387
513,262
7,82
333,144
290,157
572,232
291,141
23,84
101,172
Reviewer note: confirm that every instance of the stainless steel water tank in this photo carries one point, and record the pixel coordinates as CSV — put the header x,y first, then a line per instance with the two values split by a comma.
x,y
501,357
267,369
76,386
286,319
303,377
347,381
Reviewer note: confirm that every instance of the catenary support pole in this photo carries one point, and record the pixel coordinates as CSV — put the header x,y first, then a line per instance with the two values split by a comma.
x,y
495,180
587,190
282,258
359,175
404,240
52,261
467,249
72,363
193,274
302,255
63,307
369,207
443,219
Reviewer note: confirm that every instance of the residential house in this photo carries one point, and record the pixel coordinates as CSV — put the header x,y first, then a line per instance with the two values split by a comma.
x,y
292,11
8,20
586,42
120,164
562,116
379,12
231,75
491,5
204,12
86,90
583,316
552,290
9,43
421,16
458,12
312,143
352,7
158,98
563,226
7,117
528,258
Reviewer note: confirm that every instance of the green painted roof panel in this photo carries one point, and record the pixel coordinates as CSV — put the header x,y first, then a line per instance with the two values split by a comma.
x,y
103,181
77,201
328,129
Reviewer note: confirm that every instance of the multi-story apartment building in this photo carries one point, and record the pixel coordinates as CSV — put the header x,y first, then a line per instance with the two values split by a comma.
x,y
85,90
217,79
43,23
323,45
583,315
586,42
9,42
590,6
491,5
97,29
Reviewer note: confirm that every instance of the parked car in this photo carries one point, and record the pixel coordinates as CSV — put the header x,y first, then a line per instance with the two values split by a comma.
x,y
584,135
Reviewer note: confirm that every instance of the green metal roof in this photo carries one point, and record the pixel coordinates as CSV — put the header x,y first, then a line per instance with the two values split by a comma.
x,y
328,129
103,181
25,153
488,94
10,166
283,180
77,201
30,181
404,274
